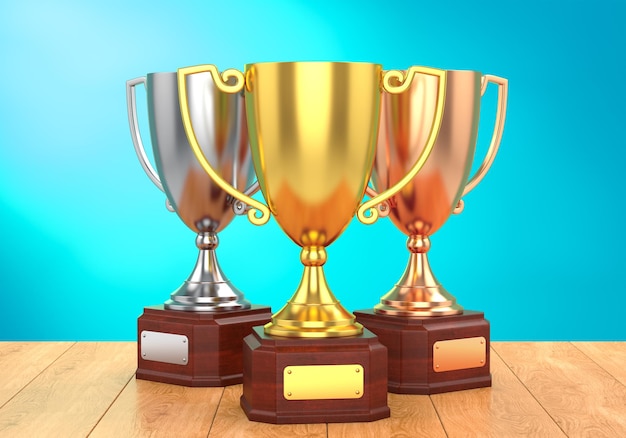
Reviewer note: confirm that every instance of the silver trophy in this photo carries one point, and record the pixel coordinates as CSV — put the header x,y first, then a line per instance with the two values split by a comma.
x,y
220,124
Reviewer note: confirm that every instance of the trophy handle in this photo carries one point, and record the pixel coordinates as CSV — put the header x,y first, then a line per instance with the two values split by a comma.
x,y
240,207
402,83
131,104
221,82
503,89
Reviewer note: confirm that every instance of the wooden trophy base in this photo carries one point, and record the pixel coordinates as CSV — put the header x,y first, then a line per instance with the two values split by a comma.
x,y
304,380
194,348
435,354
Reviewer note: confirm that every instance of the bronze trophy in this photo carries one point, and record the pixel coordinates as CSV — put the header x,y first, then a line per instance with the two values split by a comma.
x,y
434,345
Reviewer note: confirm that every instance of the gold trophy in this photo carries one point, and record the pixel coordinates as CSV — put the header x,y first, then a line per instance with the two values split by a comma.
x,y
434,345
313,128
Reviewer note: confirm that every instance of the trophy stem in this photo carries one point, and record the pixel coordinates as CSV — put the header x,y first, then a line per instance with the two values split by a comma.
x,y
313,311
418,293
207,289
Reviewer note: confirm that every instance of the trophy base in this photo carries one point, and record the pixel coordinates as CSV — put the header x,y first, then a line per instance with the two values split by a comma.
x,y
431,355
194,348
310,380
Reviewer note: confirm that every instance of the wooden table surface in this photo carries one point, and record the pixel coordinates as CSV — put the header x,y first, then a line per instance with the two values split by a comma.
x,y
540,389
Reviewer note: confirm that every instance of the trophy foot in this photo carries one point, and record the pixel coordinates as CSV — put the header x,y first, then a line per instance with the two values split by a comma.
x,y
298,320
418,302
418,293
313,311
406,310
207,297
207,289
293,329
173,305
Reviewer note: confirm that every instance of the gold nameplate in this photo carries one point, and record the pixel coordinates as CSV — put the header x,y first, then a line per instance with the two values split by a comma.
x,y
318,382
459,354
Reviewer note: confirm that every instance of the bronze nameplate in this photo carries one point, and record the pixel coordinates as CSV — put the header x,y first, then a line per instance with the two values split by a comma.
x,y
459,354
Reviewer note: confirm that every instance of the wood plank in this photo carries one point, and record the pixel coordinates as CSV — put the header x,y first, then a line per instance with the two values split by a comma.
x,y
583,399
609,355
411,416
21,362
71,395
505,409
154,409
231,421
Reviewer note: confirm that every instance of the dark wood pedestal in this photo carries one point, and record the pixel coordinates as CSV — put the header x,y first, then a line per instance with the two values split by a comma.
x,y
194,348
433,354
303,380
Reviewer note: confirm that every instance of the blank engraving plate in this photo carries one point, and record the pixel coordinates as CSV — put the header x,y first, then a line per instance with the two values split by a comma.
x,y
164,347
459,354
319,382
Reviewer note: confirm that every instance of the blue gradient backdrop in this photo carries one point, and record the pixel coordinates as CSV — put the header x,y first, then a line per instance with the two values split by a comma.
x,y
86,242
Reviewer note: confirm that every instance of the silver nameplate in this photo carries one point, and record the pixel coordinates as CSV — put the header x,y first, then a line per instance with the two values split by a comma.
x,y
164,347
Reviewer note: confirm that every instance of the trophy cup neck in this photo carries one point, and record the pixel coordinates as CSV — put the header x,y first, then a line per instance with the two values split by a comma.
x,y
313,311
313,256
418,293
417,244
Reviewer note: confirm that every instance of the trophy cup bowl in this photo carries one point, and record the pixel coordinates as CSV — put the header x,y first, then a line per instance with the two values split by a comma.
x,y
205,209
313,130
419,210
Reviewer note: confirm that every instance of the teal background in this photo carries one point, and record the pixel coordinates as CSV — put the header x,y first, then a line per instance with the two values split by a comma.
x,y
86,241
